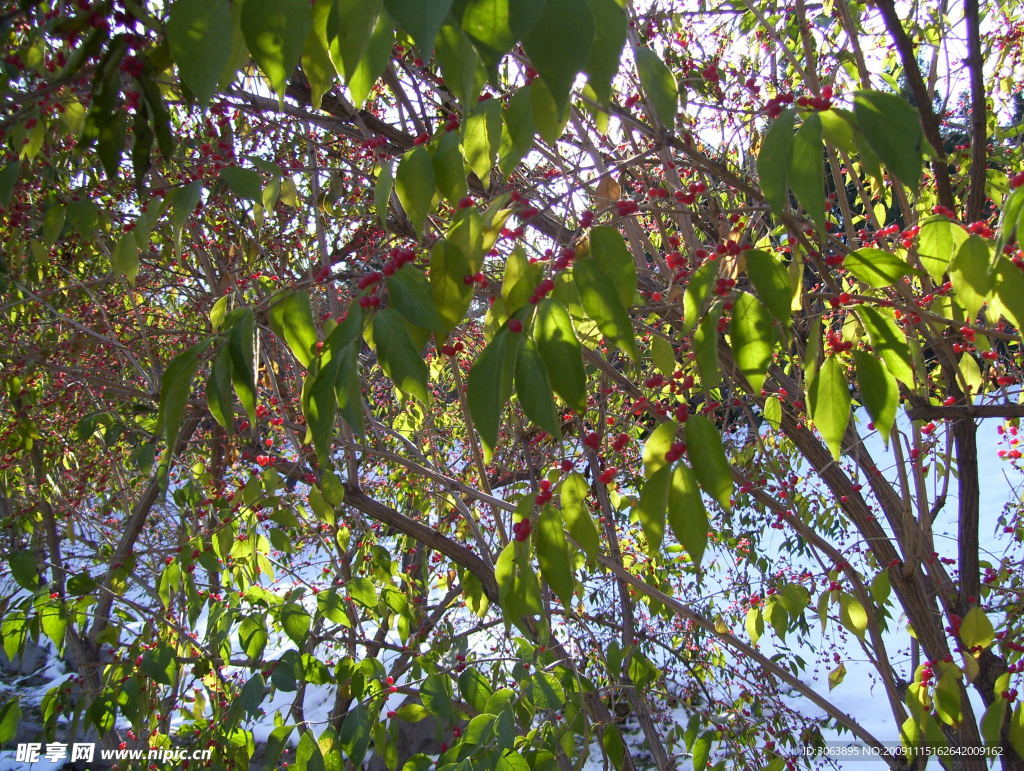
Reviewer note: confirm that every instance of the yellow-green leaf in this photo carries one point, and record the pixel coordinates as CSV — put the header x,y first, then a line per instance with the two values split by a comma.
x,y
876,267
752,339
291,318
276,31
828,401
414,184
707,456
573,497
976,629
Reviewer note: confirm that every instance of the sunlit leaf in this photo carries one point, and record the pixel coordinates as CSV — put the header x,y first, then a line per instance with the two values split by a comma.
x,y
828,401
892,129
276,31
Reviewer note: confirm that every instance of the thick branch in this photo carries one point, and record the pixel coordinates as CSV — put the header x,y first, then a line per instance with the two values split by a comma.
x,y
132,531
749,652
967,411
979,141
426,535
965,438
929,120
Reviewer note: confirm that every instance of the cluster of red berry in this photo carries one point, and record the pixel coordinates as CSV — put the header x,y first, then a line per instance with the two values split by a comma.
x,y
521,529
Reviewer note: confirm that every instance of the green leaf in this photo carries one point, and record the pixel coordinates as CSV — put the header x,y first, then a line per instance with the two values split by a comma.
x,y
348,388
467,233
488,25
421,19
615,261
481,137
240,348
556,342
553,554
24,568
295,622
276,32
382,193
449,168
320,404
371,62
970,274
658,443
53,622
291,318
354,735
573,497
992,722
10,719
976,629
332,607
1011,220
8,179
199,37
316,60
852,614
520,279
888,341
652,507
773,161
518,590
245,183
807,170
707,455
754,624
125,258
606,52
839,129
330,750
1016,728
876,267
546,45
600,299
362,590
1007,295
878,390
659,85
892,129
752,339
518,130
81,218
938,242
697,291
544,691
436,695
409,292
828,401
414,184
463,71
350,24
686,513
490,385
475,689
705,349
174,392
836,676
398,356
534,389
169,582
771,280
663,355
548,118
450,294
252,636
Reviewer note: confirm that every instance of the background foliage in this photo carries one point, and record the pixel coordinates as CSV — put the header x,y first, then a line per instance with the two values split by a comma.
x,y
548,370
